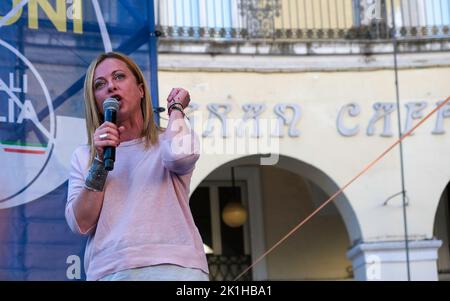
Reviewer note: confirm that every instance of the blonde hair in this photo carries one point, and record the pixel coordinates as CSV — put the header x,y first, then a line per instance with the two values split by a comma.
x,y
94,118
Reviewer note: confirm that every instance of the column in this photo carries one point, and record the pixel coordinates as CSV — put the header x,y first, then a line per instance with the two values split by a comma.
x,y
386,260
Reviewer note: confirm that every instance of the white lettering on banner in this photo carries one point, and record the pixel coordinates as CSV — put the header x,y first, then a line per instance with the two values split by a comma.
x,y
31,149
14,89
27,110
32,141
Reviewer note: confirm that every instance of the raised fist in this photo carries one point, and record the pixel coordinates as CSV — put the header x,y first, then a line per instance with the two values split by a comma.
x,y
179,95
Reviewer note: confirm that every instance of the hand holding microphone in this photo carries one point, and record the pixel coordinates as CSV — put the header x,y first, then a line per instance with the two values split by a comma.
x,y
107,136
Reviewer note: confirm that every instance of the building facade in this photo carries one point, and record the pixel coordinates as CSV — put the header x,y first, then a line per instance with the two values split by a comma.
x,y
297,97
291,100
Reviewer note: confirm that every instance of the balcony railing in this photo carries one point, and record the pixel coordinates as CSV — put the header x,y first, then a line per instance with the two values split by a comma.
x,y
227,268
302,20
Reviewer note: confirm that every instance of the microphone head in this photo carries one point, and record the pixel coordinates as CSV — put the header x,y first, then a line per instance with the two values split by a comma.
x,y
111,104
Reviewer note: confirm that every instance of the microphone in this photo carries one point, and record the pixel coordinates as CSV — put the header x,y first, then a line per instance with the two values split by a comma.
x,y
110,108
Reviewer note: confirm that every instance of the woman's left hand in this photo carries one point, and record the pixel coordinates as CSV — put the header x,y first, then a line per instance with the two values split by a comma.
x,y
179,95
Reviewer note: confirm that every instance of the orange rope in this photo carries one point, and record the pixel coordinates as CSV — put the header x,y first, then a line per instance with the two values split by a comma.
x,y
364,170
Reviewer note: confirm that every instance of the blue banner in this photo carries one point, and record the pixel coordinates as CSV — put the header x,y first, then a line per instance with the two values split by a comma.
x,y
45,49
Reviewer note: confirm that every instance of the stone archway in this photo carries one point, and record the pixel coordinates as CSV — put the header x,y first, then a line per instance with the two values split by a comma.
x,y
337,227
442,232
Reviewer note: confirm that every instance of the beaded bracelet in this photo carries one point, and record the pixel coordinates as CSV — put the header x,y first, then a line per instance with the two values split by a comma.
x,y
169,110
178,109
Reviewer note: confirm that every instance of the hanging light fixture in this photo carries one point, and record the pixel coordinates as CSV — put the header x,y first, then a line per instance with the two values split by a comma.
x,y
234,214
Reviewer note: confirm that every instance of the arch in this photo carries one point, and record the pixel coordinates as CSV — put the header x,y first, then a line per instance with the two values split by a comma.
x,y
296,166
440,193
441,232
